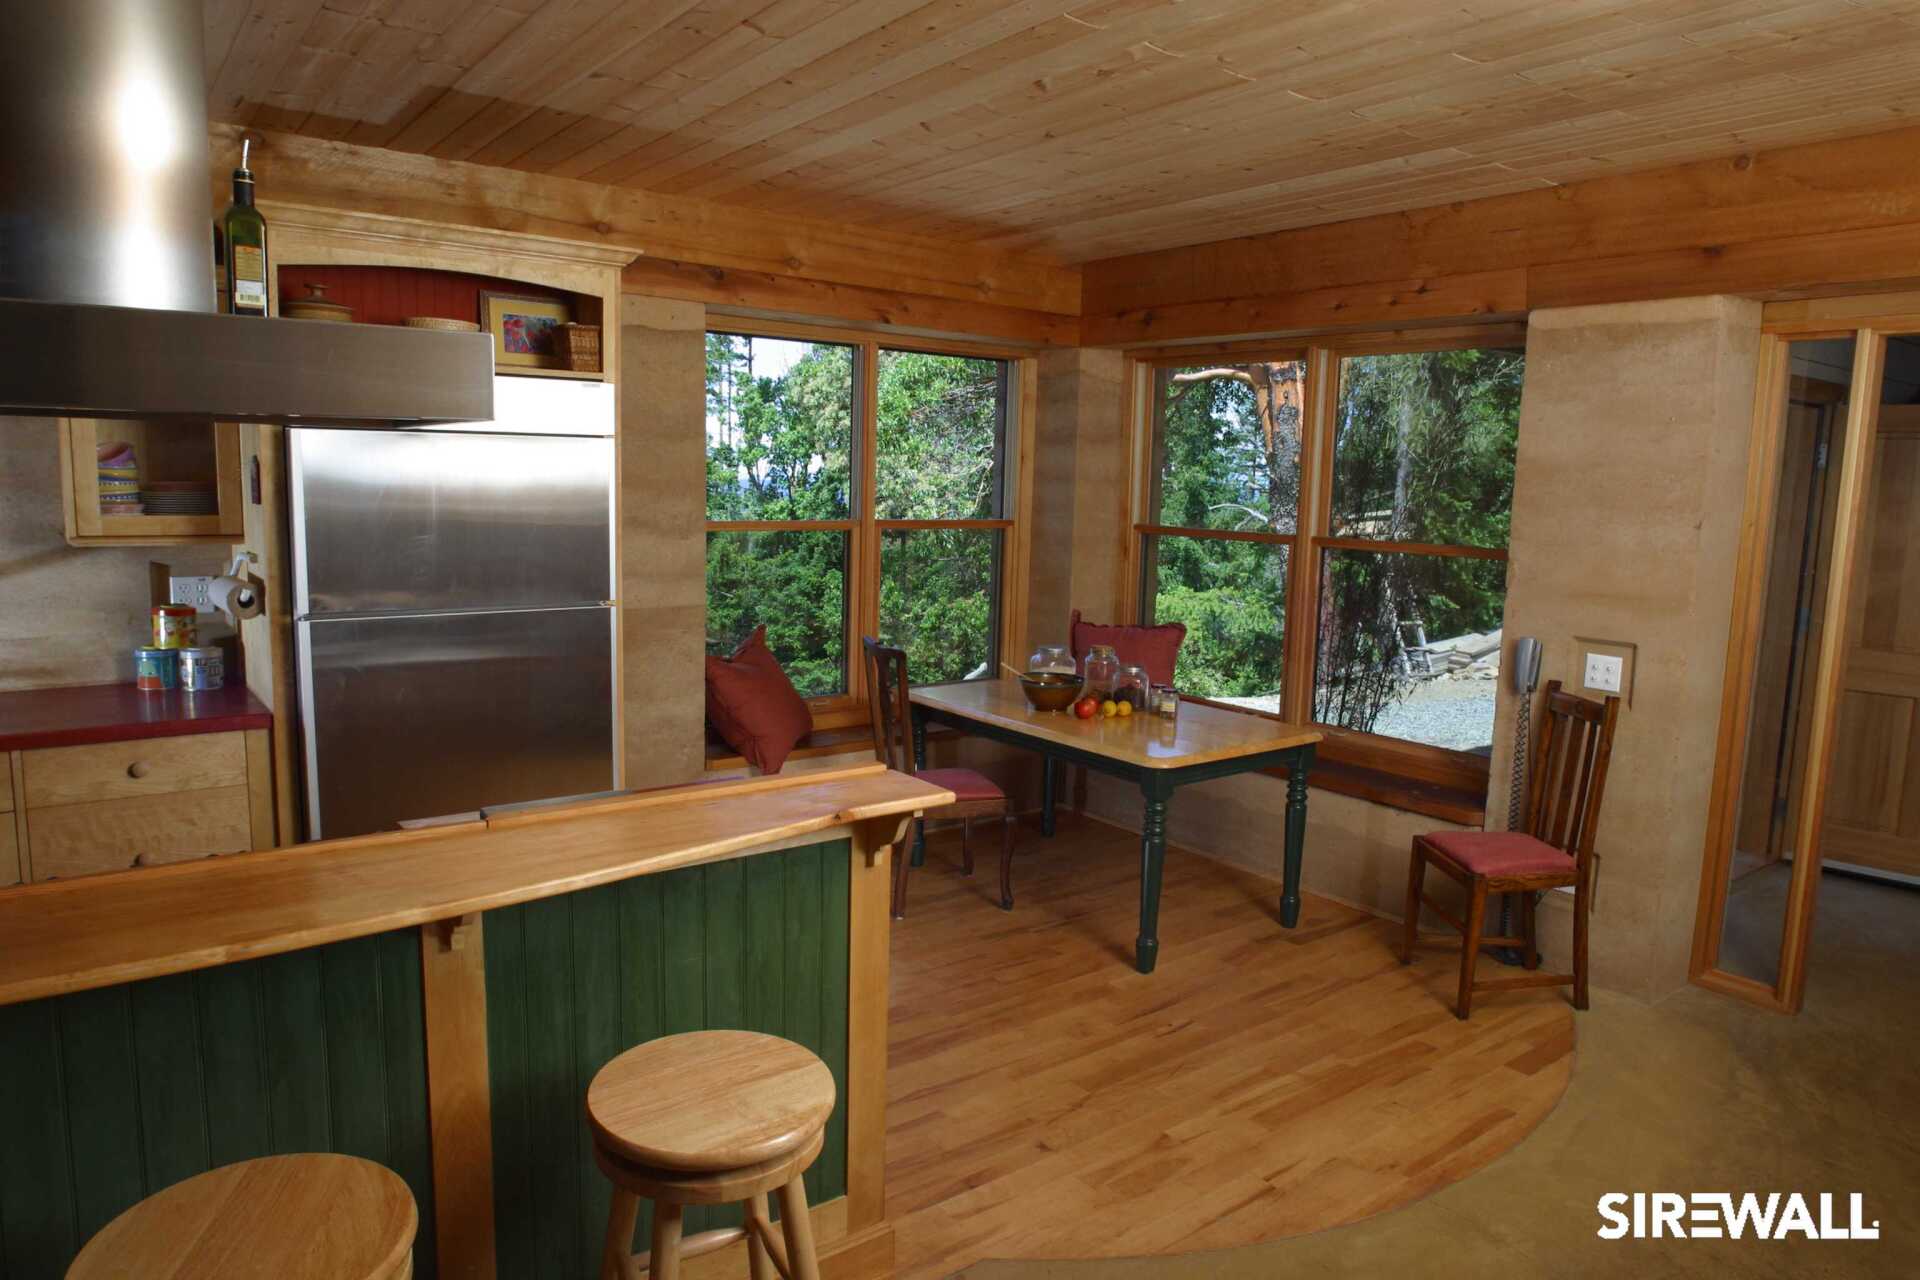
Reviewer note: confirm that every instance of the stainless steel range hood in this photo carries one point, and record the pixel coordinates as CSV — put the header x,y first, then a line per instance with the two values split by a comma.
x,y
106,259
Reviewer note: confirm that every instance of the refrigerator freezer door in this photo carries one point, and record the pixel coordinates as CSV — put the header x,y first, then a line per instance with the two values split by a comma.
x,y
407,522
415,717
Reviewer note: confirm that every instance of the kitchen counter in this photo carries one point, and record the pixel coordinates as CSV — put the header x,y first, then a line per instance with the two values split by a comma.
x,y
82,714
436,1000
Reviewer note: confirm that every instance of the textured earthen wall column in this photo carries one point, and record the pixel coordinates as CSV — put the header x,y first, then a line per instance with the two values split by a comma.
x,y
1079,498
1634,429
663,543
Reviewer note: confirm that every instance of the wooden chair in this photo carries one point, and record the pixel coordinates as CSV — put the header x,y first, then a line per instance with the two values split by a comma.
x,y
978,797
710,1117
332,1216
1555,850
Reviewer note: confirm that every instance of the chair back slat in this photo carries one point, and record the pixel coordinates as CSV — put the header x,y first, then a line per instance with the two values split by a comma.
x,y
1570,763
890,716
1539,785
1570,780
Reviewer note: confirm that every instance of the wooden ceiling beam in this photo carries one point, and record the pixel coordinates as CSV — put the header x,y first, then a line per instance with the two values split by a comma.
x,y
766,296
1783,223
300,170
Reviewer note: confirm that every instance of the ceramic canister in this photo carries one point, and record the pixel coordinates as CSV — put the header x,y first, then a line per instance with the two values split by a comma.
x,y
202,668
155,670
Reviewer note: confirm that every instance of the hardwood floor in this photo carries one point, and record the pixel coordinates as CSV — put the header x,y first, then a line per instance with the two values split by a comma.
x,y
1046,1101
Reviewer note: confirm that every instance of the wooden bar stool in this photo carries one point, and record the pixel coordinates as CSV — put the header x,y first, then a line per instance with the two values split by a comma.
x,y
321,1217
710,1117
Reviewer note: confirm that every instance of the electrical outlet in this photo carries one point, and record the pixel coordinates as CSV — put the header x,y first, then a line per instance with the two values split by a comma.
x,y
191,590
1603,673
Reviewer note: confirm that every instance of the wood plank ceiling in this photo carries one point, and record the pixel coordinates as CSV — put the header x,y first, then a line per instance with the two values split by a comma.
x,y
1076,128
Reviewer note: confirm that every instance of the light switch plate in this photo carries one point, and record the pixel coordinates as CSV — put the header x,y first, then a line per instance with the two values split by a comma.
x,y
1606,667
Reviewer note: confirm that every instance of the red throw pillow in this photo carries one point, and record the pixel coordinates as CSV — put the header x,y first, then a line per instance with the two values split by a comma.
x,y
754,706
1155,648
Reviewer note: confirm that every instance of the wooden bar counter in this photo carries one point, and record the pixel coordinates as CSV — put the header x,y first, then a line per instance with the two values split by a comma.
x,y
437,1000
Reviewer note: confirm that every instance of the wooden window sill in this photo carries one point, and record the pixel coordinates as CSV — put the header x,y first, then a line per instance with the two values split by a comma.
x,y
841,740
1448,803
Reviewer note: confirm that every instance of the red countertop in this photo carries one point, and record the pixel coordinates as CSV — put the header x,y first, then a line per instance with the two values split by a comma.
x,y
81,714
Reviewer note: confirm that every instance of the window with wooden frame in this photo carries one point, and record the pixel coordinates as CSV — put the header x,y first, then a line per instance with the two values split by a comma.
x,y
859,486
1362,484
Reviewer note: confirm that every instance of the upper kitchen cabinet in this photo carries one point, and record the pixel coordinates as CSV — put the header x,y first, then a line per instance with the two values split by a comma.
x,y
134,483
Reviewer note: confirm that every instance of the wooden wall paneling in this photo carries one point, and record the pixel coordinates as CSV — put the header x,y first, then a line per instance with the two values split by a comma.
x,y
573,981
113,1094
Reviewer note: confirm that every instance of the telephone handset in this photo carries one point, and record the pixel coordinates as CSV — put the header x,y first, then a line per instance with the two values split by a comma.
x,y
1525,673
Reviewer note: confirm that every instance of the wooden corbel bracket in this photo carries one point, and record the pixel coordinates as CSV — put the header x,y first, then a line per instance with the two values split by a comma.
x,y
884,833
454,931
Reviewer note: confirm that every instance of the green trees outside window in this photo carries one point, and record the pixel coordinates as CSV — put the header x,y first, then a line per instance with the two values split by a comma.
x,y
791,500
1406,640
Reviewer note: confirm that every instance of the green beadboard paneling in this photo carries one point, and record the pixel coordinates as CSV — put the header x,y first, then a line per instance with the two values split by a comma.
x,y
758,943
110,1095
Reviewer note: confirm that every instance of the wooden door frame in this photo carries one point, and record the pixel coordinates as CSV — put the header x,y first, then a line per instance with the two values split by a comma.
x,y
1794,321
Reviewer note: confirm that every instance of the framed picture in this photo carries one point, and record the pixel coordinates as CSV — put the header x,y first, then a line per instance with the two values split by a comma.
x,y
525,330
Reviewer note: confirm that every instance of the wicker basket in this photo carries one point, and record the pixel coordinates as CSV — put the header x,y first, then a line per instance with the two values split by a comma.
x,y
580,347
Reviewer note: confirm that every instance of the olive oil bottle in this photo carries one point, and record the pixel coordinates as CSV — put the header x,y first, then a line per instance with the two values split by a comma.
x,y
244,233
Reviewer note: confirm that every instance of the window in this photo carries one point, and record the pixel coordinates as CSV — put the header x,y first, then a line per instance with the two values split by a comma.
x,y
1381,515
855,488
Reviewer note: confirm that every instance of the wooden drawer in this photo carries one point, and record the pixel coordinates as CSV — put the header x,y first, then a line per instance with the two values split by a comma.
x,y
113,835
124,770
9,854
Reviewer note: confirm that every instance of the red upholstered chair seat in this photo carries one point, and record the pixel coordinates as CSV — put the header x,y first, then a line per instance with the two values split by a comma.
x,y
964,783
1502,853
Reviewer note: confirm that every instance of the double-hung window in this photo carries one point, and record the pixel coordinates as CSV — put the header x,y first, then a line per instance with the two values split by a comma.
x,y
856,487
1330,523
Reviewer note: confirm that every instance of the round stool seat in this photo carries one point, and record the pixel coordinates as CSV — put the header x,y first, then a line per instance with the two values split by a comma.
x,y
709,1101
302,1217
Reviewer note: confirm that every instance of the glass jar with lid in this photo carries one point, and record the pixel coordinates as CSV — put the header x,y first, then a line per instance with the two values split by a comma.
x,y
1130,685
1051,659
1103,664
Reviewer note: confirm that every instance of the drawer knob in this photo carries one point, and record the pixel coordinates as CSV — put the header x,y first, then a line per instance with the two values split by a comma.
x,y
139,769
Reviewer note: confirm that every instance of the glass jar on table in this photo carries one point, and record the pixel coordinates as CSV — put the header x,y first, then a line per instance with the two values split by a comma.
x,y
1103,665
1051,659
1130,685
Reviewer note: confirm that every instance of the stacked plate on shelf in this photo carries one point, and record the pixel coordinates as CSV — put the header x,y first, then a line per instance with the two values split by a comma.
x,y
180,498
119,479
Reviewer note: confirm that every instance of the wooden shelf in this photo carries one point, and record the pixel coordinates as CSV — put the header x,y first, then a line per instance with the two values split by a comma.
x,y
164,451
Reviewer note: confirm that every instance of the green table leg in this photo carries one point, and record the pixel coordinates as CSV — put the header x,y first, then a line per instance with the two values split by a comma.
x,y
1046,796
1296,834
919,858
1153,857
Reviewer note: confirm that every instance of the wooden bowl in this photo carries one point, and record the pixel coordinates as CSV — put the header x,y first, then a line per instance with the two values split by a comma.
x,y
1050,690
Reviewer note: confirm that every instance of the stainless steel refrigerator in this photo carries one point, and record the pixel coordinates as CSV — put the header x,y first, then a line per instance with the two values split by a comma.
x,y
453,618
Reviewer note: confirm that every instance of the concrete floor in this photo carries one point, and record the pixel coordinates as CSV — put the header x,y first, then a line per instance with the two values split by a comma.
x,y
1697,1093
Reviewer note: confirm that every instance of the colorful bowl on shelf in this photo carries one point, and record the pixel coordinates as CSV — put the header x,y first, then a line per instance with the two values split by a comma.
x,y
1050,690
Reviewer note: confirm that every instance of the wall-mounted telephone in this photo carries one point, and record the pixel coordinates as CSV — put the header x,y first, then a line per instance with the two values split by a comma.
x,y
1525,672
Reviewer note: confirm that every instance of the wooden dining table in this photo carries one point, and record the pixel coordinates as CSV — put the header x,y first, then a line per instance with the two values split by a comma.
x,y
1202,742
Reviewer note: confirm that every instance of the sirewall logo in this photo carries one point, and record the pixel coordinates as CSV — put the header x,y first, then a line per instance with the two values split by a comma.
x,y
1718,1215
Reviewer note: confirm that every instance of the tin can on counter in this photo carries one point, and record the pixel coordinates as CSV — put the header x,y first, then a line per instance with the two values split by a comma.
x,y
156,670
174,627
202,668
